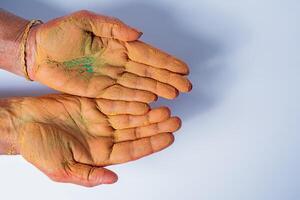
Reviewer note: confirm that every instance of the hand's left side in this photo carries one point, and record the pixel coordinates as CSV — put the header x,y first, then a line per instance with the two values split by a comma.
x,y
71,139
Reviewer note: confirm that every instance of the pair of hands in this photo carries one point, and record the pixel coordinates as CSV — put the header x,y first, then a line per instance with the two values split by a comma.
x,y
114,76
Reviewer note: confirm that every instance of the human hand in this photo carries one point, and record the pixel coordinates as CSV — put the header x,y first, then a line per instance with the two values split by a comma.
x,y
71,139
91,55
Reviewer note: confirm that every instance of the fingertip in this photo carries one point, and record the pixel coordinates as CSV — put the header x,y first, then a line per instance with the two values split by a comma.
x,y
174,94
190,87
167,91
164,111
151,97
127,33
109,177
159,114
146,108
161,141
170,125
171,138
178,66
140,34
139,108
177,123
180,82
134,34
167,111
155,98
137,34
187,86
185,68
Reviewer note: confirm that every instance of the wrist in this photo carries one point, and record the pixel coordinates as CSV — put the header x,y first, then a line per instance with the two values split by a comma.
x,y
9,144
11,31
15,34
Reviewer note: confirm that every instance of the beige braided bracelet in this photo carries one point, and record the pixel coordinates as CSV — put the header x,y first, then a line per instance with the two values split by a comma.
x,y
23,46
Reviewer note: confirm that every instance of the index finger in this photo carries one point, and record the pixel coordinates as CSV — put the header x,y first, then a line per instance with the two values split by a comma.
x,y
144,53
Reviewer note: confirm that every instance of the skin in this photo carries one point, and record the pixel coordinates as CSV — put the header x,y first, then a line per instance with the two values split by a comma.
x,y
11,30
85,64
121,67
71,139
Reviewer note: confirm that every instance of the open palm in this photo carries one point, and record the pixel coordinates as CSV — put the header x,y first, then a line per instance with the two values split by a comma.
x,y
71,138
91,55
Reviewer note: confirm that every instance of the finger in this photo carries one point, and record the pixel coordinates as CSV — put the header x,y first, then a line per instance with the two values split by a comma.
x,y
148,84
146,54
89,176
176,80
168,126
104,26
131,121
118,92
132,150
110,107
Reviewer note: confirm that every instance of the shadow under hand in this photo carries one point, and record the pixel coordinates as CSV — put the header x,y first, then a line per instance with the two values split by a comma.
x,y
166,31
32,9
163,30
19,92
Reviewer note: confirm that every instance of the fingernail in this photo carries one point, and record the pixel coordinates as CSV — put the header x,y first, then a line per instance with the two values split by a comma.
x,y
109,178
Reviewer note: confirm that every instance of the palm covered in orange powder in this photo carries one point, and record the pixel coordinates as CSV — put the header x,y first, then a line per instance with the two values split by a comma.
x,y
91,55
72,138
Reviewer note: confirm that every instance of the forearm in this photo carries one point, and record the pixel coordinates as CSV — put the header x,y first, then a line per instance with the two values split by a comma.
x,y
11,31
8,133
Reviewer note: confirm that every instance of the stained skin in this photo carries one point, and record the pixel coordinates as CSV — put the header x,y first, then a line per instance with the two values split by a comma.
x,y
91,55
71,139
82,64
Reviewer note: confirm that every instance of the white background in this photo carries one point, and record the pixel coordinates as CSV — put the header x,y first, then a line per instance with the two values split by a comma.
x,y
240,135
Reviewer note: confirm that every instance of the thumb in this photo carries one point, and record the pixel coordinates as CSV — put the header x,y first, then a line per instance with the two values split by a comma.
x,y
104,26
90,176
